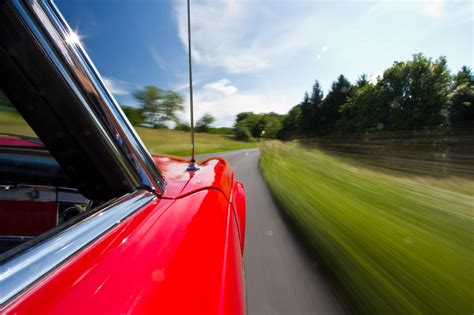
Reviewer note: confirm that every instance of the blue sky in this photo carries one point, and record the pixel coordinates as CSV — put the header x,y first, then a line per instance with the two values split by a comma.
x,y
262,55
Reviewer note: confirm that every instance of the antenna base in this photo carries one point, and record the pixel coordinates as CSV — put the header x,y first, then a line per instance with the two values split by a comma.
x,y
192,166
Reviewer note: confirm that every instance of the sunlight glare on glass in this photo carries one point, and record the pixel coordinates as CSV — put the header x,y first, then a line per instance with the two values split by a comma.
x,y
73,38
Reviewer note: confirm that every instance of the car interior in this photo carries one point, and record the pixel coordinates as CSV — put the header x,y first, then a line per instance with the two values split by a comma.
x,y
36,196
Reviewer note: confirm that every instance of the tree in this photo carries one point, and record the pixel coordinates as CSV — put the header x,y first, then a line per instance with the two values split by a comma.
x,y
134,114
417,91
243,116
204,123
149,99
171,104
329,111
362,81
366,110
258,125
272,124
291,123
159,106
310,111
242,133
253,122
461,99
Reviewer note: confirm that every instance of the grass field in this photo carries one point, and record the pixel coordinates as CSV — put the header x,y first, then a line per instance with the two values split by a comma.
x,y
179,142
157,140
394,244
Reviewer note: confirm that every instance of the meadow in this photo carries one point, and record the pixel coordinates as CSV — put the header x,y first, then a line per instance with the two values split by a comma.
x,y
163,141
393,242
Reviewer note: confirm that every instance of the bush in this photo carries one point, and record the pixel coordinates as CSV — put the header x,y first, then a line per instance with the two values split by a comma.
x,y
242,133
182,127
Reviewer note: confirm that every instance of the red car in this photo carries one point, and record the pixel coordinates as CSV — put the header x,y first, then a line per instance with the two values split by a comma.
x,y
90,222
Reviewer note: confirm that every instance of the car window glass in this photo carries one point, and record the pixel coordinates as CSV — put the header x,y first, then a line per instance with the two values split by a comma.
x,y
36,196
11,122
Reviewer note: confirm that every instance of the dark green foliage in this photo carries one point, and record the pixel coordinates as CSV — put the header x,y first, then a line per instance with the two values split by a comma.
x,y
329,112
242,132
417,91
204,123
418,95
134,115
252,122
258,125
362,81
182,126
272,124
248,121
365,111
311,111
160,125
461,100
291,123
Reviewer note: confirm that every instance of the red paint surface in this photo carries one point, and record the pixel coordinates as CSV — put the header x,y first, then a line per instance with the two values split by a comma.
x,y
7,140
174,256
180,254
213,173
238,201
26,218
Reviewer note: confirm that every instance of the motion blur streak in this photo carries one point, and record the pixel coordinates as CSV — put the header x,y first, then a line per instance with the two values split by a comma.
x,y
395,233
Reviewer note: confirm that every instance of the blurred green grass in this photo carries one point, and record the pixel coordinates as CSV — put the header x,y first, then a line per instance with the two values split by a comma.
x,y
393,244
163,141
12,122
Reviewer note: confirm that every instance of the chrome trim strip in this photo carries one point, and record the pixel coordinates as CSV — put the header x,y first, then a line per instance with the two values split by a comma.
x,y
23,192
68,55
15,238
23,270
29,193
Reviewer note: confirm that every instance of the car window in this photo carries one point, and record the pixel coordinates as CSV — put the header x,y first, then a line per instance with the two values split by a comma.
x,y
36,196
11,122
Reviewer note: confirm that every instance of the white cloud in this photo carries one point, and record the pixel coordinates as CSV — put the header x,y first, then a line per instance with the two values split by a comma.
x,y
231,34
223,87
116,86
224,101
226,107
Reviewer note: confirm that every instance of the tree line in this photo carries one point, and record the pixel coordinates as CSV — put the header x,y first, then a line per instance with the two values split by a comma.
x,y
158,108
419,95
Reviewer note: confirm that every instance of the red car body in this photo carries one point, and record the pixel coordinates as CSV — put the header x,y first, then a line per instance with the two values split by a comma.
x,y
181,254
178,252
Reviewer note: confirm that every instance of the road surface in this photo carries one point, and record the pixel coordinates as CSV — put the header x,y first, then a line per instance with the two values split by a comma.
x,y
280,276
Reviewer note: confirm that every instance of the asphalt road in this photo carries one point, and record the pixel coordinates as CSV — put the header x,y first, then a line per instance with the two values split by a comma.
x,y
280,276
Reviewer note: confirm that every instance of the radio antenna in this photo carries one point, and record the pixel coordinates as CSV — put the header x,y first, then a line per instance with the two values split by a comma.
x,y
192,165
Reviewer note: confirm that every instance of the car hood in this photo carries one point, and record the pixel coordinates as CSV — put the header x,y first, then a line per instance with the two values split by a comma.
x,y
213,173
